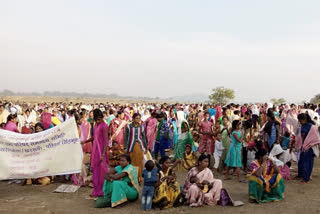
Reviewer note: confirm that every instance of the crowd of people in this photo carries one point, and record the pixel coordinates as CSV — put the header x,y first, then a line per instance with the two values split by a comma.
x,y
127,146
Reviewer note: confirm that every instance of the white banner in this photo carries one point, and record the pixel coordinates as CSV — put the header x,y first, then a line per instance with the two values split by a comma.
x,y
55,151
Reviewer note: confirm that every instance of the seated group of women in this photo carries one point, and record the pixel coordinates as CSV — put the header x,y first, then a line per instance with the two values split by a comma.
x,y
200,187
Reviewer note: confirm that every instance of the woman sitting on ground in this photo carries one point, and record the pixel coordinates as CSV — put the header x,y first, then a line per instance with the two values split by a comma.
x,y
200,187
265,183
167,193
121,185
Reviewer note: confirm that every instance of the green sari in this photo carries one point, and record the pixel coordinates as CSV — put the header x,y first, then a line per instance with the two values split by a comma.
x,y
268,187
225,142
179,149
120,191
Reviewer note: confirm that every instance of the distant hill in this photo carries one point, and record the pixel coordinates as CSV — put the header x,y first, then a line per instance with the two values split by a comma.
x,y
74,94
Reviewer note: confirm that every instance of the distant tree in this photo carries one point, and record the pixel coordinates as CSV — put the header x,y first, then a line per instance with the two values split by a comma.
x,y
276,101
281,101
221,95
315,99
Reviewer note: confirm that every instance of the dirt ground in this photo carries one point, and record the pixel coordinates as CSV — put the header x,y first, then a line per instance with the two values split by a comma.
x,y
14,198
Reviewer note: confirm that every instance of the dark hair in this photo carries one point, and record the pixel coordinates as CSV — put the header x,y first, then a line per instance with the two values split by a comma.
x,y
235,124
236,112
164,159
287,134
270,114
259,144
260,153
306,117
126,156
225,117
76,117
159,116
203,157
11,117
40,125
149,165
97,113
119,113
136,115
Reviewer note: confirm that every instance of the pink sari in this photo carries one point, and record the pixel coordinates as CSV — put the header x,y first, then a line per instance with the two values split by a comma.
x,y
46,120
85,128
218,112
101,140
194,195
11,126
117,127
151,132
292,122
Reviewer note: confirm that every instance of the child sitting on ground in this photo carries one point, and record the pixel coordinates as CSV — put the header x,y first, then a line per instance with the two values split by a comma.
x,y
189,160
150,179
114,154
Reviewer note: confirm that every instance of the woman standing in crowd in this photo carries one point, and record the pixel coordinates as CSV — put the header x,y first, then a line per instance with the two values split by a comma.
x,y
85,137
135,143
117,128
234,154
307,142
99,157
206,135
151,131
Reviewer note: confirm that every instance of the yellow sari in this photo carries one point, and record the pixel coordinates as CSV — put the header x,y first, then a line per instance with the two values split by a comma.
x,y
168,193
188,162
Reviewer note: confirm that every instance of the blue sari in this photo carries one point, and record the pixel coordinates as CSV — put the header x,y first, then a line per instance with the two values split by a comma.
x,y
306,160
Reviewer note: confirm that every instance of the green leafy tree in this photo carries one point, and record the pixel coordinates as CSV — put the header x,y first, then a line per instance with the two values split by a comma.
x,y
221,95
278,101
315,99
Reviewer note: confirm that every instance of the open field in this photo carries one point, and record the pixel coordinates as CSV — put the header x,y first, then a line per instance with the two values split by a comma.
x,y
300,198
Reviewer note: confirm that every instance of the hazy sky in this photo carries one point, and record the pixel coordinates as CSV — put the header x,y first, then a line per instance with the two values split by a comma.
x,y
261,49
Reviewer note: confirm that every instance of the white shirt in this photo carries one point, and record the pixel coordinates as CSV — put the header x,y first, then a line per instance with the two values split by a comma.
x,y
218,149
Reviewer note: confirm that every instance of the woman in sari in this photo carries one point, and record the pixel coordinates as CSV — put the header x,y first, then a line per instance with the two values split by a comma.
x,y
99,157
117,128
11,124
85,136
183,139
206,190
307,143
291,122
151,130
135,143
225,132
167,193
265,183
121,186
